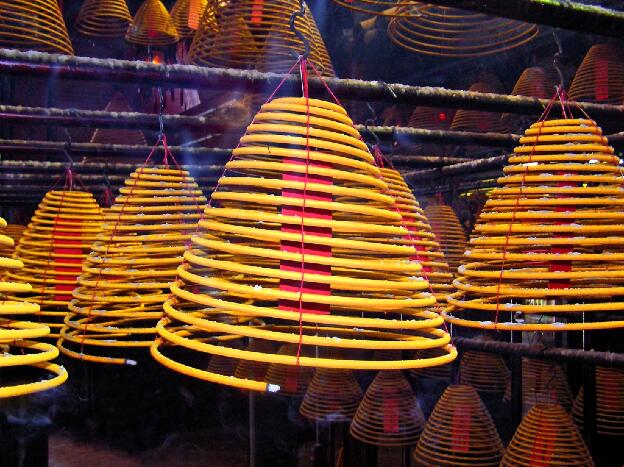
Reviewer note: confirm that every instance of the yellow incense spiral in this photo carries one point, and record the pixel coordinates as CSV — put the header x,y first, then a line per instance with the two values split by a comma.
x,y
152,26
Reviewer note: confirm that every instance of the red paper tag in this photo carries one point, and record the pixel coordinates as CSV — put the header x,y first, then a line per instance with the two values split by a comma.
x,y
390,410
257,9
460,429
194,13
64,247
601,79
542,451
292,379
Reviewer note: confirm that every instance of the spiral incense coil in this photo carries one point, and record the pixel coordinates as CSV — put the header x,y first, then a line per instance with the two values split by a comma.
x,y
547,252
115,135
34,25
449,232
255,34
187,13
441,372
293,380
459,432
332,396
431,118
486,372
222,365
450,32
389,414
250,369
349,287
544,382
547,437
609,403
103,18
379,7
152,26
477,120
14,231
125,278
600,77
533,82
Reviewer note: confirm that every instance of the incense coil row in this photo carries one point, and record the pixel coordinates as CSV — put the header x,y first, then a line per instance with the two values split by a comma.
x,y
34,25
548,246
449,233
600,77
107,19
247,260
185,11
486,372
52,249
152,26
18,348
125,278
332,396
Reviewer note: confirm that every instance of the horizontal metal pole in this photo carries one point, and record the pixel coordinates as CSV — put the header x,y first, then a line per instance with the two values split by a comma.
x,y
425,160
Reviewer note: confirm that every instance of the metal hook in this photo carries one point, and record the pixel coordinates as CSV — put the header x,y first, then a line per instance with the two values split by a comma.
x,y
293,27
372,120
161,109
67,149
557,60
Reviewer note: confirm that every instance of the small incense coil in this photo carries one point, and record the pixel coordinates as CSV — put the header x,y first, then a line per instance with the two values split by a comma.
x,y
152,26
478,120
255,34
546,437
187,13
126,277
441,372
115,135
34,25
18,348
249,369
548,243
486,372
449,233
14,231
103,18
533,82
293,380
609,403
389,414
600,77
459,431
52,249
332,396
450,32
431,118
543,382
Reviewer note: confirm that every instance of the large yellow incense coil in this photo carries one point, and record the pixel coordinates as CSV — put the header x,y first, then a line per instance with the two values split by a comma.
x,y
486,372
359,290
115,135
187,13
389,414
449,233
547,252
547,437
256,34
459,431
609,403
600,77
14,231
125,278
152,26
18,348
103,18
332,396
34,25
52,249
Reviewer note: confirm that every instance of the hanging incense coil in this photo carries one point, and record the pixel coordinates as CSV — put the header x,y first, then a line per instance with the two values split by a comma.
x,y
152,26
546,437
14,231
600,77
126,277
103,18
188,13
431,118
544,382
357,293
34,25
548,246
255,34
450,32
332,396
533,82
249,369
293,380
115,135
389,414
449,233
459,431
52,249
609,403
478,120
441,372
486,372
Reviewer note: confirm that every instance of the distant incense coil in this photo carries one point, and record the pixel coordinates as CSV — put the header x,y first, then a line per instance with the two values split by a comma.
x,y
115,135
103,18
486,372
545,382
152,26
533,82
600,77
332,396
478,120
293,380
449,233
187,13
441,372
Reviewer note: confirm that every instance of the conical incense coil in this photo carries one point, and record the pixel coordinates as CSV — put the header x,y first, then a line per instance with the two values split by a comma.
x,y
34,25
14,231
544,382
450,32
293,380
486,372
256,34
449,233
548,244
431,118
126,277
600,77
459,431
609,403
441,372
356,292
477,120
103,18
332,396
389,414
533,82
115,135
52,249
547,437
152,26
186,15
18,348
250,369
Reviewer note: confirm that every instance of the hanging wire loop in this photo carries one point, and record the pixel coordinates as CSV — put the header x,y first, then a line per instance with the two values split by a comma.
x,y
557,60
293,27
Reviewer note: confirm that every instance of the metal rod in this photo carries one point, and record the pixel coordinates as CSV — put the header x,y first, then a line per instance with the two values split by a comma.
x,y
426,160
475,166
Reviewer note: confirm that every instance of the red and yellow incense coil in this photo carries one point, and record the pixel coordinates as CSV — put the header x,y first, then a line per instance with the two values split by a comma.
x,y
548,251
389,414
486,372
103,18
332,396
19,349
52,249
125,279
186,15
116,135
14,231
449,233
293,380
292,238
609,403
460,431
34,25
543,382
547,437
600,77
152,26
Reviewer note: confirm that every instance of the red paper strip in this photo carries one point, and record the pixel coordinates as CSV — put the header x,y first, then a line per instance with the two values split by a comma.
x,y
542,452
460,428
292,379
257,9
194,14
601,79
390,410
63,247
561,266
